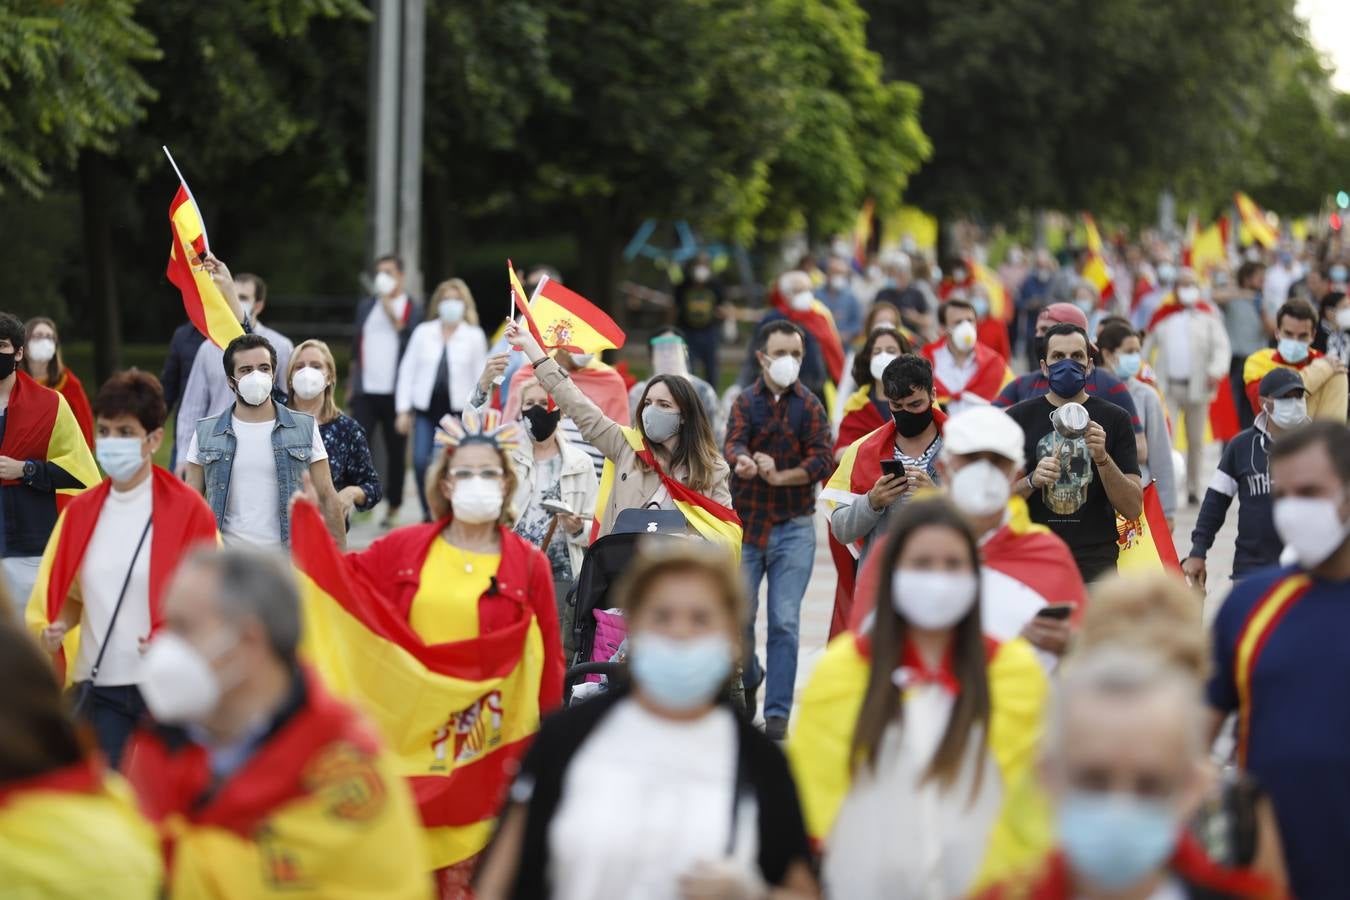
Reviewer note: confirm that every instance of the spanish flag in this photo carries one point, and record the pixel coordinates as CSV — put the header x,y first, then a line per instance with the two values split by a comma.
x,y
1146,543
1096,272
205,305
1254,220
818,322
1209,248
456,716
560,318
713,521
991,374
1000,307
40,426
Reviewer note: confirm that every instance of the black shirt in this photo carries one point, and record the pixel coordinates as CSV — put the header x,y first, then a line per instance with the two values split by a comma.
x,y
696,304
1076,507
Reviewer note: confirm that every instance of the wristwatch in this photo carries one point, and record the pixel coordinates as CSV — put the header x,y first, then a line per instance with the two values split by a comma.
x,y
29,470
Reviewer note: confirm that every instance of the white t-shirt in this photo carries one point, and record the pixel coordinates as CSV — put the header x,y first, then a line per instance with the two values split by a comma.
x,y
1176,331
379,347
643,801
106,560
254,498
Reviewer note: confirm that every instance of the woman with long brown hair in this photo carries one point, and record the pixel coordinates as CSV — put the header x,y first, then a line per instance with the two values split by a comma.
x,y
42,360
916,737
672,431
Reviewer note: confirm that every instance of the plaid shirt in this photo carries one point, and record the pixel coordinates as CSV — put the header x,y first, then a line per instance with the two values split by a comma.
x,y
795,431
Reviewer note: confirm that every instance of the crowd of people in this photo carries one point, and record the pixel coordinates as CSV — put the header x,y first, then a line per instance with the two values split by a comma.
x,y
216,697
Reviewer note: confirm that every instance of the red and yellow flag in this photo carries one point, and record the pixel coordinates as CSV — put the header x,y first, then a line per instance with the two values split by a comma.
x,y
1208,248
1000,307
862,234
1261,621
560,318
455,716
1097,273
205,305
1146,543
1254,220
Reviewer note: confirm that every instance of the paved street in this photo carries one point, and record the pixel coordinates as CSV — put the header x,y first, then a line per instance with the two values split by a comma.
x,y
819,600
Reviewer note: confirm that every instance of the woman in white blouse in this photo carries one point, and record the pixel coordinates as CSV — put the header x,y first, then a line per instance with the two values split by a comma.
x,y
438,372
661,791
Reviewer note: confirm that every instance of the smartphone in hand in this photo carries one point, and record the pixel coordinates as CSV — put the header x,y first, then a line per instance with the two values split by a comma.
x,y
1057,611
894,467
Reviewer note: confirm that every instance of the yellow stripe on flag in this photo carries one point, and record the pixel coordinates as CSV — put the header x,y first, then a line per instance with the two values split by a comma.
x,y
1258,623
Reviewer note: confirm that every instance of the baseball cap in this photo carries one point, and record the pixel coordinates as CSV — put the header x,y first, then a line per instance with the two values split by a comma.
x,y
1280,383
1064,312
984,429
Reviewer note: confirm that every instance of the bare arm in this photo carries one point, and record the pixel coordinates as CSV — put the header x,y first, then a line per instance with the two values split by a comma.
x,y
196,478
1125,492
329,504
497,875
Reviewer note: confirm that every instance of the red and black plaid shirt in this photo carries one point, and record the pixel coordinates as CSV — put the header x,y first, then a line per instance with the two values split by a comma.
x,y
795,431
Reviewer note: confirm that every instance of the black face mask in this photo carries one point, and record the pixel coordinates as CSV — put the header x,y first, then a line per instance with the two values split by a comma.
x,y
911,424
542,422
6,364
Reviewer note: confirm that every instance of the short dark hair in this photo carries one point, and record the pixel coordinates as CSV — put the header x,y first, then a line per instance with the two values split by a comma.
x,y
1058,329
862,360
132,393
1249,270
1115,334
1329,302
907,373
247,342
12,330
778,326
259,286
953,303
390,257
1296,309
1334,436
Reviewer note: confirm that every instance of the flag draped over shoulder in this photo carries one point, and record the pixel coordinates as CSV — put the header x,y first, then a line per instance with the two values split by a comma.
x,y
1146,543
991,374
39,425
1096,272
1254,220
861,417
560,318
456,716
819,323
713,521
205,304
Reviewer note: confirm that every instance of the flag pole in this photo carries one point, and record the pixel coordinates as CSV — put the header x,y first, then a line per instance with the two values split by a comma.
x,y
183,181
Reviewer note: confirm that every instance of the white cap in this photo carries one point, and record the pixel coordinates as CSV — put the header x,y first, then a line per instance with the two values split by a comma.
x,y
984,429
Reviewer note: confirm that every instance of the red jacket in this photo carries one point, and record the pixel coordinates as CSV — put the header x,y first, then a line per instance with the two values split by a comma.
x,y
394,564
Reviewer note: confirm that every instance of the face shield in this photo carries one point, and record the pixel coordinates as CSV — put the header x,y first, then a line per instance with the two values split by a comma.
x,y
670,355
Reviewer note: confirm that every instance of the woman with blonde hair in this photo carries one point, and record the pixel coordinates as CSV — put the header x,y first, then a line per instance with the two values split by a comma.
x,y
1161,614
439,371
711,811
42,361
311,383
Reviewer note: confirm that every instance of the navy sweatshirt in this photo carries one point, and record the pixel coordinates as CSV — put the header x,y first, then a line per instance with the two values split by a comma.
x,y
1243,471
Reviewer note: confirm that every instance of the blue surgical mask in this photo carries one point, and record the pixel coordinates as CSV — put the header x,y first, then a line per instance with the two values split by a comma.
x,y
981,305
1128,365
1292,351
120,457
1113,840
1067,378
1338,274
680,675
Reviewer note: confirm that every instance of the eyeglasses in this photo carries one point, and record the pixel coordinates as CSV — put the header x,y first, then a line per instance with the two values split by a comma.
x,y
538,405
493,474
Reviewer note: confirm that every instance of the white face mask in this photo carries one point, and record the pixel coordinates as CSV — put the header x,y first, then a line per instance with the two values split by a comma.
x,y
450,310
41,350
802,300
838,282
784,370
477,500
1188,295
933,600
1342,319
255,387
177,681
1288,412
963,336
980,488
701,273
384,284
308,382
1311,527
879,363
582,360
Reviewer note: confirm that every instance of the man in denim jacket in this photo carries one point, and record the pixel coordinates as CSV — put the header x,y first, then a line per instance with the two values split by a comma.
x,y
248,460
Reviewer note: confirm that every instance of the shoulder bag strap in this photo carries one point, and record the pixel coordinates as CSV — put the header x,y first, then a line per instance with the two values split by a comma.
x,y
103,648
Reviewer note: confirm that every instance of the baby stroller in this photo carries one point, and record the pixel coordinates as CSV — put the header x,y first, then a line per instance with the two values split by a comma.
x,y
590,597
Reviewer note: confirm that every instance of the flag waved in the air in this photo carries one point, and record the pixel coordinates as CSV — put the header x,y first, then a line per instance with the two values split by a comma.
x,y
561,319
1096,272
205,304
1254,220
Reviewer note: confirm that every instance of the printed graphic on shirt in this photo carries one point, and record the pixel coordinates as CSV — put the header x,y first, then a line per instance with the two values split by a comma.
x,y
1069,492
534,524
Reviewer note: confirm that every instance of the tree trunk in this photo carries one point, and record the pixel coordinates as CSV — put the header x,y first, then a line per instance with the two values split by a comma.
x,y
101,289
598,257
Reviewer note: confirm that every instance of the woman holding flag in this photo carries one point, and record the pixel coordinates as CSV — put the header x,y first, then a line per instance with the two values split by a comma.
x,y
669,461
445,634
915,740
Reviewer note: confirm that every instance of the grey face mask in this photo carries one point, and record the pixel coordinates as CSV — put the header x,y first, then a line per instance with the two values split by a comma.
x,y
659,424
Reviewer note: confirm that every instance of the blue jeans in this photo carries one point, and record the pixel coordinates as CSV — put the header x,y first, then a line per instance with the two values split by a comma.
x,y
787,561
424,444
